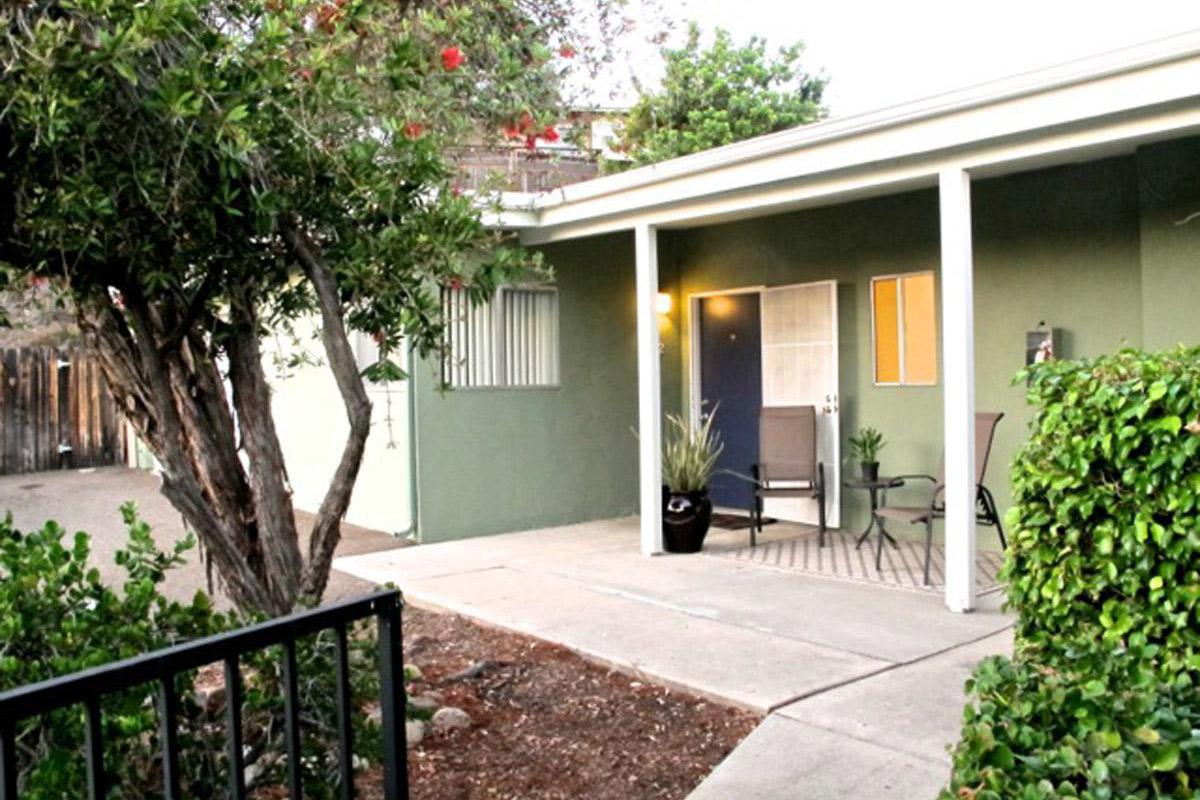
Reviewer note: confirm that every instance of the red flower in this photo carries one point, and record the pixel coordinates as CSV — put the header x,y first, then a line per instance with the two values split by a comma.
x,y
305,74
452,58
413,130
455,284
511,131
566,51
550,134
531,142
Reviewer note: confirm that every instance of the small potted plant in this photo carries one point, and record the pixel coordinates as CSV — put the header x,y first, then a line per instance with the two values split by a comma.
x,y
689,455
866,445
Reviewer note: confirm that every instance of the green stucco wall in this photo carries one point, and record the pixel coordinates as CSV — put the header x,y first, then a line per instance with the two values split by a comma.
x,y
1169,179
494,460
847,243
1091,249
1057,245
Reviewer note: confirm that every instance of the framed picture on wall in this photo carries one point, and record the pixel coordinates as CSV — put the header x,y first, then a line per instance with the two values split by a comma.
x,y
1039,346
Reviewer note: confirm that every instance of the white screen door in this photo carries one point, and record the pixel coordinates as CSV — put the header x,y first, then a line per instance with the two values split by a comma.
x,y
800,368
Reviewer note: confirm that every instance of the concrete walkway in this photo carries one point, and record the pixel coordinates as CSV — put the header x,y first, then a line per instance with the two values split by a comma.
x,y
881,737
89,500
861,685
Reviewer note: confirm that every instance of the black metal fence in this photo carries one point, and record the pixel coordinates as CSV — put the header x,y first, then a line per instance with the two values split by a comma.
x,y
88,687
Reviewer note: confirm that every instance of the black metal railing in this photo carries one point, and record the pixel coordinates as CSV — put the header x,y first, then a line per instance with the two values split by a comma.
x,y
88,687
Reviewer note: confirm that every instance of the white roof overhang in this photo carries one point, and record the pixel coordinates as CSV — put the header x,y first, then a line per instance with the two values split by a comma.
x,y
1101,106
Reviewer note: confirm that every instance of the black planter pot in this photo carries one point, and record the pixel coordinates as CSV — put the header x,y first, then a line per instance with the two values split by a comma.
x,y
870,471
686,517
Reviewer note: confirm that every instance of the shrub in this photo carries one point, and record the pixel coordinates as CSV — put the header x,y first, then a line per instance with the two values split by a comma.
x,y
1109,729
1102,699
1106,520
57,616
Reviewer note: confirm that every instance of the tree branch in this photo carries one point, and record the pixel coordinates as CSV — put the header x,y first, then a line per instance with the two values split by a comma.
x,y
194,307
326,528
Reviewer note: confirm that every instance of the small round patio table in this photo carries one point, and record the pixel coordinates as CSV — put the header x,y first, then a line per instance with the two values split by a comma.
x,y
873,488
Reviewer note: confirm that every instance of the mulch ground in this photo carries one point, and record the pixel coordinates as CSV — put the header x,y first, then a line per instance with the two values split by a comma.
x,y
548,724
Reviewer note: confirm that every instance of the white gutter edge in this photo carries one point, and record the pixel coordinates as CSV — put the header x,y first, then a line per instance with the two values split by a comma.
x,y
526,208
507,211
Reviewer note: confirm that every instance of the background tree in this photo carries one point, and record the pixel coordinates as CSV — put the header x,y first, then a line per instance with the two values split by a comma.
x,y
191,174
716,95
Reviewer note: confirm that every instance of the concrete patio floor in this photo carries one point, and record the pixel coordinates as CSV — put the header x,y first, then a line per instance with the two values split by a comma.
x,y
862,684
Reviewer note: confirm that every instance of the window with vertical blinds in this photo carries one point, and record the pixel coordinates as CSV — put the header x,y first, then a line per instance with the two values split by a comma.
x,y
904,329
509,341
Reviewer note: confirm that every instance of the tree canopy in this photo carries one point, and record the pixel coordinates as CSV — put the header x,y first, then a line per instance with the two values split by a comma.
x,y
192,174
719,94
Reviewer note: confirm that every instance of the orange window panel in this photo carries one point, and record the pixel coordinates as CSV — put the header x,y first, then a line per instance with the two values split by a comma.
x,y
920,328
887,331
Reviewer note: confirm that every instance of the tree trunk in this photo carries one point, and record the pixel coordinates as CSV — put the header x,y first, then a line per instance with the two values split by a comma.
x,y
271,495
167,379
176,401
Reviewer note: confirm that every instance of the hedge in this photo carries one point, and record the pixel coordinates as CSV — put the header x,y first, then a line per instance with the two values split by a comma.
x,y
1101,700
1106,519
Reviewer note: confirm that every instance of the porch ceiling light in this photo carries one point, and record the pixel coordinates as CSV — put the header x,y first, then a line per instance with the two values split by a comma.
x,y
662,303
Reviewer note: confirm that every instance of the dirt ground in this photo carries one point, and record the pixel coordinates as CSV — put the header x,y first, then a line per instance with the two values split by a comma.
x,y
89,500
546,724
549,725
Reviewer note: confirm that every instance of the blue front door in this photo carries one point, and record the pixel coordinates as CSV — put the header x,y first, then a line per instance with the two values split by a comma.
x,y
731,382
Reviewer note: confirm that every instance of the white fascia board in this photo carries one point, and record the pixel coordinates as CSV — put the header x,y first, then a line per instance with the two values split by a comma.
x,y
507,210
1098,115
1071,143
1090,70
509,219
1012,120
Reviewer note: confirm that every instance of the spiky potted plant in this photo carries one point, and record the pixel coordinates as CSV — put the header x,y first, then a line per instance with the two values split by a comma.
x,y
866,445
689,455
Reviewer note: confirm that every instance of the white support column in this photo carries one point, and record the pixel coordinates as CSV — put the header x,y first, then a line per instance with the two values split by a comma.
x,y
649,390
958,358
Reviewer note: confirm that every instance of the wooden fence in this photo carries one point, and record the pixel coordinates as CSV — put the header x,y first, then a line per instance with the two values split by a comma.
x,y
56,412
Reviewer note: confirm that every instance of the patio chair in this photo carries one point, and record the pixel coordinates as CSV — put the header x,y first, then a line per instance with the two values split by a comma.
x,y
985,512
787,462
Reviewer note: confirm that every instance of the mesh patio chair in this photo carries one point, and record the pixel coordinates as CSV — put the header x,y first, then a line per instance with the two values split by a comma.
x,y
787,462
985,511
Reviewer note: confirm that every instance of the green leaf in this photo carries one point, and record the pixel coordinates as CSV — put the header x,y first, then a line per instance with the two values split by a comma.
x,y
1171,424
1001,756
1146,735
1164,757
125,71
